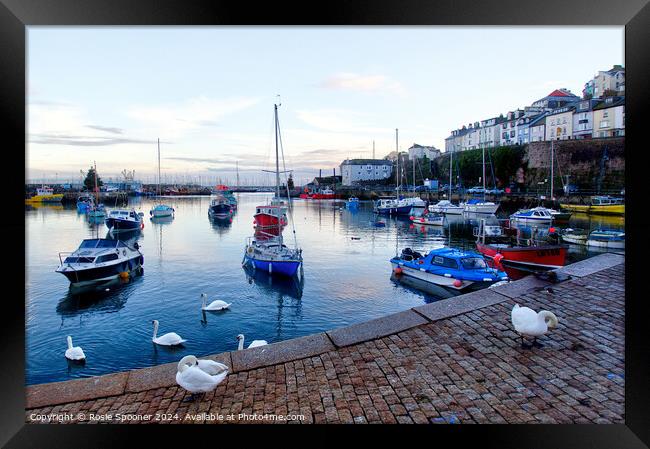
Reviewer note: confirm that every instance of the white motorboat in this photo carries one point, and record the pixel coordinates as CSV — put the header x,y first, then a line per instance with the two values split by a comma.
x,y
446,207
100,260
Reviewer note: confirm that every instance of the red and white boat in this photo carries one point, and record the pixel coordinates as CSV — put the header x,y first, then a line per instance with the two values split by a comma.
x,y
524,254
271,215
325,194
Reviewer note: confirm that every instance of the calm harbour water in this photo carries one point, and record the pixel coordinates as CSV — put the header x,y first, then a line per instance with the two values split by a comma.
x,y
347,279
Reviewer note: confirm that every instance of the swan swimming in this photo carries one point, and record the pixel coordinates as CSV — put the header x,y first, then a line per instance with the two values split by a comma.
x,y
169,339
75,353
254,343
200,376
217,304
530,323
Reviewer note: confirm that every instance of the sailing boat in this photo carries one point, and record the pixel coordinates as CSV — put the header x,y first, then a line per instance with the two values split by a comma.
x,y
389,205
160,210
271,254
478,206
446,206
96,211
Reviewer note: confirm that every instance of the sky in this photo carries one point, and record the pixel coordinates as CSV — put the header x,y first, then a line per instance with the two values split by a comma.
x,y
106,94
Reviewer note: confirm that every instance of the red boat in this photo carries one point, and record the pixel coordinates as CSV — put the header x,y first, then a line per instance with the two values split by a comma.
x,y
524,254
325,194
269,216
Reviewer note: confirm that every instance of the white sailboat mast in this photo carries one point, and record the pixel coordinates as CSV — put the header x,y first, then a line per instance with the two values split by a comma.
x,y
397,178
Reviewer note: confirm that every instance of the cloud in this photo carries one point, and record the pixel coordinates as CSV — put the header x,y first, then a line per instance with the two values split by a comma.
x,y
175,120
106,129
338,121
363,83
82,141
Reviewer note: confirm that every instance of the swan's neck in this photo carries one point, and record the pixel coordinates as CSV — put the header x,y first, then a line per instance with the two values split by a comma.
x,y
241,343
69,342
548,317
155,329
204,301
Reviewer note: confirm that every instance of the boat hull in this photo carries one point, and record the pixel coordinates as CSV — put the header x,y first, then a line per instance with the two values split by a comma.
x,y
610,209
117,224
531,220
609,244
481,208
399,210
54,198
284,268
436,279
546,257
269,221
221,210
98,274
161,211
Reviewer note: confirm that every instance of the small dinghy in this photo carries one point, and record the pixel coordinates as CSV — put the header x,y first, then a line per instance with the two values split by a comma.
x,y
429,219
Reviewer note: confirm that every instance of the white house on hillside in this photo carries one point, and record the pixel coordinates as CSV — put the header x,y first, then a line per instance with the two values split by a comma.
x,y
355,170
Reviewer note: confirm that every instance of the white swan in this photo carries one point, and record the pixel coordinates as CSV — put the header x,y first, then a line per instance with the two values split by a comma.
x,y
217,304
529,323
75,353
254,343
169,339
200,376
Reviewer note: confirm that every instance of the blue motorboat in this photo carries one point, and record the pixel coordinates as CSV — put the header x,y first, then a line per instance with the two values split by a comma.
x,y
124,220
448,267
84,202
352,203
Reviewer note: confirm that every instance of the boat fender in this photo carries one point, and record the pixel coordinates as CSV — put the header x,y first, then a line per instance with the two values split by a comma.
x,y
420,262
457,283
397,270
142,225
124,274
250,250
498,257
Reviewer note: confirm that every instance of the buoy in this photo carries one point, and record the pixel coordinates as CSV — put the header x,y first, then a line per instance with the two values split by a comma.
x,y
551,230
397,270
498,257
457,283
412,217
124,274
142,225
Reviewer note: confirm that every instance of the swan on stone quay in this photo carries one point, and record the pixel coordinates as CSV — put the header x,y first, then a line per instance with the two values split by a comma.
x,y
217,304
529,323
74,353
199,376
254,343
168,339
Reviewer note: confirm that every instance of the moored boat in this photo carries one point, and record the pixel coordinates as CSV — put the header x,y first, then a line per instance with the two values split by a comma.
x,y
605,238
529,254
478,206
100,260
352,203
428,219
271,215
599,205
84,202
220,206
447,267
45,194
161,210
124,220
538,215
575,236
446,207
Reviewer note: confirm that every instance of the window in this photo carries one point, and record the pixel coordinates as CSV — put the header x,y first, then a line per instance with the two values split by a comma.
x,y
445,262
604,124
605,114
473,263
106,258
512,134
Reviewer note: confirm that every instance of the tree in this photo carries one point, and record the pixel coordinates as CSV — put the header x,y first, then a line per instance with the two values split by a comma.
x,y
290,181
89,182
609,93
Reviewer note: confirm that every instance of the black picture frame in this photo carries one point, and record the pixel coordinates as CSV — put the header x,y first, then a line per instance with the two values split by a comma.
x,y
16,15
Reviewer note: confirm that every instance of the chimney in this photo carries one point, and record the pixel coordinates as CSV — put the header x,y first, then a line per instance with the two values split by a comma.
x,y
334,171
320,173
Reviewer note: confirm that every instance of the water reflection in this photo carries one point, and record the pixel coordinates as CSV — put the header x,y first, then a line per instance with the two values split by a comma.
x,y
104,297
221,225
275,286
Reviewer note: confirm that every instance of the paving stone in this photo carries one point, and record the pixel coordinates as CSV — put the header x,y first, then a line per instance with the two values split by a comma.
x,y
447,308
75,390
380,327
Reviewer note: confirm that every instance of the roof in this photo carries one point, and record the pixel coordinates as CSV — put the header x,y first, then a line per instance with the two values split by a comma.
x,y
366,162
538,118
559,93
617,101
